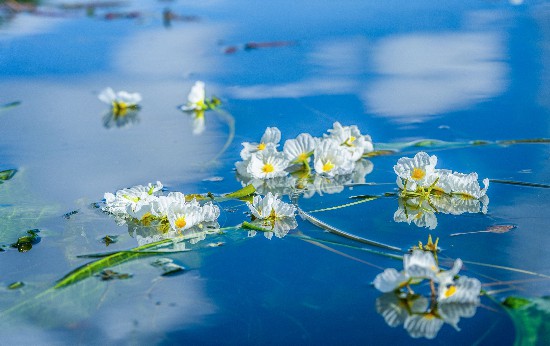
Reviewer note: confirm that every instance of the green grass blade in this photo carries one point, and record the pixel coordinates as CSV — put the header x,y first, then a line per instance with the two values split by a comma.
x,y
92,268
520,183
9,105
366,199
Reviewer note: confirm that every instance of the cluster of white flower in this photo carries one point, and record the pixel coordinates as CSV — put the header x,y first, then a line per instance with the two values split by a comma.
x,y
272,214
337,154
455,298
426,190
418,175
172,213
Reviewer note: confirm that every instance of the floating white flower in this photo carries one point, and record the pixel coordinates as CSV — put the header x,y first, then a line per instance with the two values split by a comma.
x,y
268,163
195,99
331,159
184,217
390,280
416,172
273,214
300,149
351,138
464,290
467,185
121,101
420,265
269,140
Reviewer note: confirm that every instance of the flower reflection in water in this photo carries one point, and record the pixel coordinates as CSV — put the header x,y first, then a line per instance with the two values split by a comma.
x,y
425,191
420,316
112,119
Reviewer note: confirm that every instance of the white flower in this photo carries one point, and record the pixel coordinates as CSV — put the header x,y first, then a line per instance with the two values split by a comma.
x,y
184,217
331,159
121,101
273,214
350,137
270,139
420,265
128,199
390,280
195,99
210,212
467,185
416,172
300,149
464,290
267,163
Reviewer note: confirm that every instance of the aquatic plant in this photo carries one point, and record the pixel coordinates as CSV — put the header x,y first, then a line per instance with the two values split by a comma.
x,y
121,102
453,299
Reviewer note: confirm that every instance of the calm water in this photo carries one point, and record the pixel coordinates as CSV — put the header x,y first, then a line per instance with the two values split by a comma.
x,y
401,71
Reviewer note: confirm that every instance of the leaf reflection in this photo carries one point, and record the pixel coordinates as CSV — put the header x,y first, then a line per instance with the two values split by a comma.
x,y
115,119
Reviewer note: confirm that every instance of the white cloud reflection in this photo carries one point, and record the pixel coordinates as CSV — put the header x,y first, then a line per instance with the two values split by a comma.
x,y
427,74
406,77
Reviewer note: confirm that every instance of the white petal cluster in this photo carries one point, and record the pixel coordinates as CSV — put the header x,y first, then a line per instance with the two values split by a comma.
x,y
196,98
419,174
426,190
143,204
337,155
273,214
455,298
120,100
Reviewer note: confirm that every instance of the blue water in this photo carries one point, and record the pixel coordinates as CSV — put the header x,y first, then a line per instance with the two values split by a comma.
x,y
401,71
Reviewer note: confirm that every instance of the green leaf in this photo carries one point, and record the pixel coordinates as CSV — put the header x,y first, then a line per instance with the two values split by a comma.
x,y
251,226
531,318
7,174
241,193
111,260
9,105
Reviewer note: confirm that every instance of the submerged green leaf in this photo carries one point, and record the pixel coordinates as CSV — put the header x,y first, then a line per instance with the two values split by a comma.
x,y
9,105
168,267
7,174
26,242
15,285
531,318
92,268
524,141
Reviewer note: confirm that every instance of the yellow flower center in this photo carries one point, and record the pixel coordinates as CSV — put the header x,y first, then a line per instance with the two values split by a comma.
x,y
429,316
302,157
349,141
268,168
450,291
418,173
180,222
328,166
120,108
261,146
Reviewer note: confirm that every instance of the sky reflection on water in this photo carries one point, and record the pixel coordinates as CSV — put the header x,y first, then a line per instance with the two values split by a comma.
x,y
401,72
